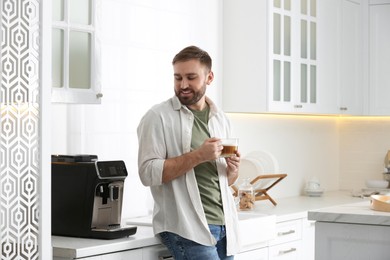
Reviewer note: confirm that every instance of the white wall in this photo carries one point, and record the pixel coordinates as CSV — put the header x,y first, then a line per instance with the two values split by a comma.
x,y
139,41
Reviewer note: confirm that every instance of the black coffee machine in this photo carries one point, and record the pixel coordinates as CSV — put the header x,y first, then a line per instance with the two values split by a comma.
x,y
87,196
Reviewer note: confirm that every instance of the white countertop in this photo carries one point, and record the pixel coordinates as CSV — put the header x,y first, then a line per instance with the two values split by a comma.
x,y
286,209
297,207
355,213
71,247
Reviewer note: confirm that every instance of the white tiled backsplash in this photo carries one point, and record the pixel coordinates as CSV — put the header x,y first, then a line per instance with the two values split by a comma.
x,y
341,151
364,143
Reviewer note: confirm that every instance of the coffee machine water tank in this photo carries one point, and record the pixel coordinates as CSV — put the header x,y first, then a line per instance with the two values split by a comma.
x,y
87,197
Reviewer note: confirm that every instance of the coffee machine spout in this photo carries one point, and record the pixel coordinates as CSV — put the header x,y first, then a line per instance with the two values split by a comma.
x,y
114,192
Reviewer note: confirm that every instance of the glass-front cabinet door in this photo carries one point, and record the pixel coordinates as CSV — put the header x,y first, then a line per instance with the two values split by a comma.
x,y
75,57
293,55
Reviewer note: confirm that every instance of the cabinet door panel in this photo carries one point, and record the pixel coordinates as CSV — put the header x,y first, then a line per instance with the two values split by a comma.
x,y
245,56
351,241
379,59
351,76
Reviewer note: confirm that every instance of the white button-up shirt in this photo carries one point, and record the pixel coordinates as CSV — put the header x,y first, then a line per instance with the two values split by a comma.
x,y
164,132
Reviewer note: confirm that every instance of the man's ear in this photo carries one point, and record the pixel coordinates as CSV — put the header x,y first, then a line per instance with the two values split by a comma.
x,y
210,77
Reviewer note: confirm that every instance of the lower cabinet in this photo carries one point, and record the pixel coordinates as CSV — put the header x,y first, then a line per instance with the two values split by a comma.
x,y
308,239
351,241
291,250
294,241
287,244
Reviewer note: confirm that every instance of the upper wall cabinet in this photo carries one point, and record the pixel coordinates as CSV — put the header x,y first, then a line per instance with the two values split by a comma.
x,y
245,56
292,63
378,13
75,52
280,56
351,77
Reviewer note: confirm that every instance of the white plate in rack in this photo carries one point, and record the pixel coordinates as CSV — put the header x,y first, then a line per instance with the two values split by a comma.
x,y
255,164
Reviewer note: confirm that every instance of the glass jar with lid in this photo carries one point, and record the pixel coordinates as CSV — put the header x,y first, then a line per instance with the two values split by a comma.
x,y
246,195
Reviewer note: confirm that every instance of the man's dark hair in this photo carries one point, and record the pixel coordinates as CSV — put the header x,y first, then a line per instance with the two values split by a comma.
x,y
193,52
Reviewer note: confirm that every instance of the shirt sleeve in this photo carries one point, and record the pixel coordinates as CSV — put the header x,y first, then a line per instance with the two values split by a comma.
x,y
152,149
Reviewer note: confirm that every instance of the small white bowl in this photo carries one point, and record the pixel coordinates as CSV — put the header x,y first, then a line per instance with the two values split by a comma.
x,y
381,184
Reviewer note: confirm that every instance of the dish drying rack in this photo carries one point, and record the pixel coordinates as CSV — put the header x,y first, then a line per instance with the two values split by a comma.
x,y
262,184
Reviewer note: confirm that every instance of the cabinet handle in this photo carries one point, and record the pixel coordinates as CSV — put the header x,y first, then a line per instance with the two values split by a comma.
x,y
283,252
99,95
343,108
298,106
292,231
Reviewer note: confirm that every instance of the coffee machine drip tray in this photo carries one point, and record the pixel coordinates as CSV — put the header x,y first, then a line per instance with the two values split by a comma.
x,y
113,231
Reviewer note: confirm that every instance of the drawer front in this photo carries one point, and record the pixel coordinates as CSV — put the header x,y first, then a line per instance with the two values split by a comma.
x,y
258,254
287,231
290,251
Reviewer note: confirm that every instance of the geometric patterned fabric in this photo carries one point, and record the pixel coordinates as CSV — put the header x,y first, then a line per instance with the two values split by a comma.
x,y
19,129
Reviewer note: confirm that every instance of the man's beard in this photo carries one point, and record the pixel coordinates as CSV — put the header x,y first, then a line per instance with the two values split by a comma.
x,y
188,101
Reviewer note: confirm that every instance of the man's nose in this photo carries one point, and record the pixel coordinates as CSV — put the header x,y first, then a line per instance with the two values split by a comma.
x,y
184,84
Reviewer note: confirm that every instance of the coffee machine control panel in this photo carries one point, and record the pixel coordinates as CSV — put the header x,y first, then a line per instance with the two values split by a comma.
x,y
111,169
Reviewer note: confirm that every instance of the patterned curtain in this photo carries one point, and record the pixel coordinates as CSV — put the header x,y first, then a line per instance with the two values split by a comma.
x,y
19,129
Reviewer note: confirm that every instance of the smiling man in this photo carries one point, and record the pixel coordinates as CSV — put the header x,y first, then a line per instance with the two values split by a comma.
x,y
179,158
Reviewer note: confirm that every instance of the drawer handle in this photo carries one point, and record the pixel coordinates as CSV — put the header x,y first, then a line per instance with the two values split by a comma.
x,y
283,252
292,231
298,106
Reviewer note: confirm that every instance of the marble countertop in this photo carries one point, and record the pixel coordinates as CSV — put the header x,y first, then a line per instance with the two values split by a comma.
x,y
354,213
286,209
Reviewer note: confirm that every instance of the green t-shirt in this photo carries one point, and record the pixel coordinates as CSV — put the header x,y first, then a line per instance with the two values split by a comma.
x,y
206,173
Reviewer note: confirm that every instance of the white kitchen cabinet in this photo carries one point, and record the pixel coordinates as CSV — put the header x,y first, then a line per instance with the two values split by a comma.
x,y
350,95
245,28
379,56
308,239
280,56
288,242
292,56
291,251
76,58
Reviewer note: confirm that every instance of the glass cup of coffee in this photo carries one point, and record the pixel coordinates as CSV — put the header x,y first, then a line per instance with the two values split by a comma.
x,y
230,146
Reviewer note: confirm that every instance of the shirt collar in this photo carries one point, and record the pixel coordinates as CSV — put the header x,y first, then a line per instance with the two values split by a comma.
x,y
177,105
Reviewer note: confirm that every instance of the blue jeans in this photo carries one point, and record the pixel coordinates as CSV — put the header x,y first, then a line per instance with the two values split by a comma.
x,y
184,249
